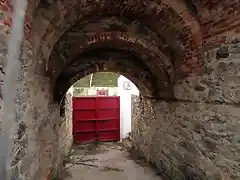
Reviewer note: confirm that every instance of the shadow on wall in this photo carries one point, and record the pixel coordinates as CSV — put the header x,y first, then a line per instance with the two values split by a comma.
x,y
65,134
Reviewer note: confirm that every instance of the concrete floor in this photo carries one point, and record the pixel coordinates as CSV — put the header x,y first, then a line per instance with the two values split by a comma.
x,y
106,161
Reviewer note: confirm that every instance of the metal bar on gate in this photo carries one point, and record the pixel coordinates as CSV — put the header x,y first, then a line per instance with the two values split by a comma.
x,y
97,116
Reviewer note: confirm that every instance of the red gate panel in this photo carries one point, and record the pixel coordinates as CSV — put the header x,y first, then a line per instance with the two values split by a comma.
x,y
96,118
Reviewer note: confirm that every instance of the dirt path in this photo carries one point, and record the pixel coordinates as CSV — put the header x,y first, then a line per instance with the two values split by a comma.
x,y
106,161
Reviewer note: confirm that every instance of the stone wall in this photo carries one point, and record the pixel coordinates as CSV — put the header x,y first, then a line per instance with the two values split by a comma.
x,y
196,136
135,113
143,114
50,143
20,135
65,130
60,138
190,140
63,133
43,138
3,50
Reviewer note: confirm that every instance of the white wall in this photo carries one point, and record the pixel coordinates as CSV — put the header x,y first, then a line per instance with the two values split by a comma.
x,y
70,90
126,105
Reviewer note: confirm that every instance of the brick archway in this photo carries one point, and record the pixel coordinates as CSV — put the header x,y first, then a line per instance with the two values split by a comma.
x,y
181,38
120,62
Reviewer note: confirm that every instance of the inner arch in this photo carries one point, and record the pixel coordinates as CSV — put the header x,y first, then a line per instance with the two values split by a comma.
x,y
141,47
108,60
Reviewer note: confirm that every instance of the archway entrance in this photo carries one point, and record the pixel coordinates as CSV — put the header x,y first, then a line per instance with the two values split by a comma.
x,y
103,99
97,127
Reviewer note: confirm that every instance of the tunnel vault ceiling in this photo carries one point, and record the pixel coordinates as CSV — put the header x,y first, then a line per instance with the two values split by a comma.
x,y
164,36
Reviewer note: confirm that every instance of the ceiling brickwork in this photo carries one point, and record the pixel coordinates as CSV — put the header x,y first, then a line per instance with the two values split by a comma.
x,y
168,36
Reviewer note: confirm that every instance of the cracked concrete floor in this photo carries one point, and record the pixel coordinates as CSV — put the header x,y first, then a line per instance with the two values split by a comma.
x,y
106,161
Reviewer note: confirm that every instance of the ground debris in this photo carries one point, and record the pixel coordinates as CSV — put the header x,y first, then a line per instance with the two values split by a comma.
x,y
91,159
108,168
108,160
127,142
85,164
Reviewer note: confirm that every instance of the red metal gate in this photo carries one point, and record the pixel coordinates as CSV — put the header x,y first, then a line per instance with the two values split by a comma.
x,y
96,118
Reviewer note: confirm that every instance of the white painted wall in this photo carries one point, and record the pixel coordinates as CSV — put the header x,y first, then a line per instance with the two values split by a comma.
x,y
126,105
70,90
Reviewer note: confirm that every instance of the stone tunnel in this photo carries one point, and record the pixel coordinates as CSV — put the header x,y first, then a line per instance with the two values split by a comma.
x,y
183,55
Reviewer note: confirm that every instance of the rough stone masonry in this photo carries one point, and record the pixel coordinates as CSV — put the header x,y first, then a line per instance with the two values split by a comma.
x,y
182,55
195,136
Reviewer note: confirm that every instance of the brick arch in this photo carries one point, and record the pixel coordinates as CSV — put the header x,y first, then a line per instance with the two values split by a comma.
x,y
6,6
110,27
219,21
144,81
150,54
169,19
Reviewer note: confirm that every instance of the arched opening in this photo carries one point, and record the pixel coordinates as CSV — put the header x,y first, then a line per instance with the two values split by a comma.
x,y
113,91
96,133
